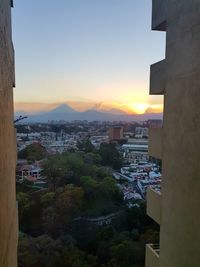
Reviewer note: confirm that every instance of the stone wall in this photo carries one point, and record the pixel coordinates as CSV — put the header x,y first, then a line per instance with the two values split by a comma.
x,y
8,208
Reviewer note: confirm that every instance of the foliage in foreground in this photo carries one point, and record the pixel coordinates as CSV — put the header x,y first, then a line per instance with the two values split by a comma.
x,y
54,221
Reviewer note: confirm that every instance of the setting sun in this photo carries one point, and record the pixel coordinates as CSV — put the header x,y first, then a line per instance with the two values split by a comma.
x,y
139,108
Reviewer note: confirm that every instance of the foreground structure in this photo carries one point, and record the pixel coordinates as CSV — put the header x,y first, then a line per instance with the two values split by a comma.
x,y
177,143
8,208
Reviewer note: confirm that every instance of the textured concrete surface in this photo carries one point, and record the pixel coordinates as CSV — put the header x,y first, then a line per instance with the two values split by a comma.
x,y
155,142
154,205
159,15
8,209
158,78
180,218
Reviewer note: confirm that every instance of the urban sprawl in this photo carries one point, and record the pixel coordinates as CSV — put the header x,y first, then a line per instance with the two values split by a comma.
x,y
138,172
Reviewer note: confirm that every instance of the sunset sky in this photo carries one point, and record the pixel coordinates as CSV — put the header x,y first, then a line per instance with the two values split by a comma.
x,y
87,53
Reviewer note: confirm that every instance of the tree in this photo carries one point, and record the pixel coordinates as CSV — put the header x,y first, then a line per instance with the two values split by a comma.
x,y
73,257
127,253
24,204
92,158
50,223
85,146
42,251
108,187
56,169
33,152
47,199
110,155
106,234
89,185
68,205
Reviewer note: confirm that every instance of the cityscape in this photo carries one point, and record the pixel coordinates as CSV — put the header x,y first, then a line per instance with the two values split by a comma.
x,y
136,173
99,145
86,156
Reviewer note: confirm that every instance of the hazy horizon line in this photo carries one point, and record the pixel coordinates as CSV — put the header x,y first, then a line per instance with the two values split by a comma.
x,y
81,106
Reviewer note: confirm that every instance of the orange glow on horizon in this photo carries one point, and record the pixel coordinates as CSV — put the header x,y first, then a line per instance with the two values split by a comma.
x,y
129,108
141,108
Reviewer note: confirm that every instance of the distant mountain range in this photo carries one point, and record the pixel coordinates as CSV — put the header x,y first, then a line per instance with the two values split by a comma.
x,y
66,113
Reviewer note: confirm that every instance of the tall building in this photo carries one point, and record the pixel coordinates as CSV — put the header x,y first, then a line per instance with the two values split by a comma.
x,y
177,143
116,133
8,207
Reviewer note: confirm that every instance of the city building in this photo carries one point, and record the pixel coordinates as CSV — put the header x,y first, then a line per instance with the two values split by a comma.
x,y
177,77
116,133
8,210
135,150
141,132
29,172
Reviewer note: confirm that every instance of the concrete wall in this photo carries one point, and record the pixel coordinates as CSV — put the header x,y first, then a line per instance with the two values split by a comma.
x,y
157,78
180,219
159,15
154,199
155,142
8,209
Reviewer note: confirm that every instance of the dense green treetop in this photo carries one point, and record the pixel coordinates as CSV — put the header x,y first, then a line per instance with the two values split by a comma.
x,y
33,152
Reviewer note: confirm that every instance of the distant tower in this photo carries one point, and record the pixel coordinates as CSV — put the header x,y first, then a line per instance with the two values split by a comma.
x,y
177,143
8,207
116,133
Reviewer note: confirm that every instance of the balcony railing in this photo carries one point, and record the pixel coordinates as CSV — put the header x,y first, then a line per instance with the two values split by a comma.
x,y
152,255
154,205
